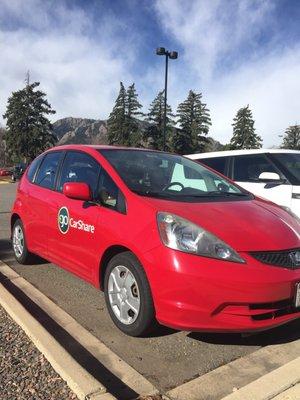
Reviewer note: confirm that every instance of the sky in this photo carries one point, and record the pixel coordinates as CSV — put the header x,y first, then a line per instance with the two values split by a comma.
x,y
235,52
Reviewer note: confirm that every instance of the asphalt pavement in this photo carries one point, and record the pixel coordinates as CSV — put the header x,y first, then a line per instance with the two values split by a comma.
x,y
167,359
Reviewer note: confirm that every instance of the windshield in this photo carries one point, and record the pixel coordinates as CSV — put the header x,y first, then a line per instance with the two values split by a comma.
x,y
163,175
289,163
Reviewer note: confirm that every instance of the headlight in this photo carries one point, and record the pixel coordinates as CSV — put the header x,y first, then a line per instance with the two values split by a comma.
x,y
181,234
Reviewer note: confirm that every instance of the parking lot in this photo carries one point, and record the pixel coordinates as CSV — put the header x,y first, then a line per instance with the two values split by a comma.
x,y
167,359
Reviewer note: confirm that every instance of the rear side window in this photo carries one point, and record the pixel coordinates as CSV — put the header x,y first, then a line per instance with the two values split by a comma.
x,y
248,168
33,167
217,163
80,167
48,169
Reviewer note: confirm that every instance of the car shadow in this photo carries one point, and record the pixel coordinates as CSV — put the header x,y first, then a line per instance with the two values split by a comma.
x,y
280,335
6,253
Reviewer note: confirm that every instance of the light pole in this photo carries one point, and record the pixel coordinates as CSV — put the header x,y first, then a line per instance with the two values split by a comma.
x,y
161,51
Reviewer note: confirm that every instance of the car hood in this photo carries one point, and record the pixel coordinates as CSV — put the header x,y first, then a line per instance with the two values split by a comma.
x,y
250,225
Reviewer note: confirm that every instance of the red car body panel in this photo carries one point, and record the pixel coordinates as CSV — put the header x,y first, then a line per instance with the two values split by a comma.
x,y
189,291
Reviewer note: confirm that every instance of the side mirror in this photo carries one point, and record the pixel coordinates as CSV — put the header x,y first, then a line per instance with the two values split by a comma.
x,y
269,176
77,190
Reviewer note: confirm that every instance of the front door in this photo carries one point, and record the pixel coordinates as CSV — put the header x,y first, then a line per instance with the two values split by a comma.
x,y
246,172
74,223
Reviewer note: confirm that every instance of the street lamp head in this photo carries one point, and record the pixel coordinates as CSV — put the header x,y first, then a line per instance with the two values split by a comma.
x,y
173,55
161,51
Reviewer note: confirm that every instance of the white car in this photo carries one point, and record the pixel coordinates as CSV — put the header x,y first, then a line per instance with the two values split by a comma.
x,y
272,174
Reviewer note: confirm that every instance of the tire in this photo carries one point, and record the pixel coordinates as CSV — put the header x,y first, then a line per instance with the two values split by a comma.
x,y
135,290
22,255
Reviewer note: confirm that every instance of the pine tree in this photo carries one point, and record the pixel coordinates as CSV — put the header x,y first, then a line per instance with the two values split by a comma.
x,y
29,132
291,139
2,148
117,133
194,120
132,112
244,136
154,133
123,128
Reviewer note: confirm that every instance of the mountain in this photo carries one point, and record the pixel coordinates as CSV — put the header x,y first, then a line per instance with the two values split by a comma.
x,y
80,130
94,131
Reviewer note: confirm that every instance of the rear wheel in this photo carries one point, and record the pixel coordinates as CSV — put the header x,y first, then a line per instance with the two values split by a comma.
x,y
128,295
22,255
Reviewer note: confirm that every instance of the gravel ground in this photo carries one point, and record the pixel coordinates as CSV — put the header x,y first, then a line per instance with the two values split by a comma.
x,y
24,372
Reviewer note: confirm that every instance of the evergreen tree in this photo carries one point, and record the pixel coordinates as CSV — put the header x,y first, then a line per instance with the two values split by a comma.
x,y
154,133
2,148
123,128
117,133
132,112
194,120
244,136
29,132
291,139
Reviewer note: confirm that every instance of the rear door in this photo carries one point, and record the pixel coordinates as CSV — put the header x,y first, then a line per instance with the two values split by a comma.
x,y
38,200
246,170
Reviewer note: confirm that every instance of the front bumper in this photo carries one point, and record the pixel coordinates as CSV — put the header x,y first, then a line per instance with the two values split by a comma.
x,y
201,294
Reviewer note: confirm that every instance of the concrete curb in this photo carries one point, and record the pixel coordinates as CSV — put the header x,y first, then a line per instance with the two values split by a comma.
x,y
119,368
220,382
270,385
78,379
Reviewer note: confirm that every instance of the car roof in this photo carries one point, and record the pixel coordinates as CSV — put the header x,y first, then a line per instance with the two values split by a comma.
x,y
228,153
96,147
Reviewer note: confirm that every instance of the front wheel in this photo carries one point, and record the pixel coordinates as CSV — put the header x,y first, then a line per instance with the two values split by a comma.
x,y
22,255
128,295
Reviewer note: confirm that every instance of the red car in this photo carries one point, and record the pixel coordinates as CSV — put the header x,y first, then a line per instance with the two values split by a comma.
x,y
164,237
4,172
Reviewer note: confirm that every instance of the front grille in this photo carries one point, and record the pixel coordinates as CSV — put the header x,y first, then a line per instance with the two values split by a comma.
x,y
285,258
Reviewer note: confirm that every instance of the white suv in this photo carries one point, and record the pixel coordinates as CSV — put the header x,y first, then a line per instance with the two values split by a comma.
x,y
272,174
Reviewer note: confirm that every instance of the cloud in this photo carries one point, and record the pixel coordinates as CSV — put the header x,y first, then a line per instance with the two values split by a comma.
x,y
80,72
232,52
213,30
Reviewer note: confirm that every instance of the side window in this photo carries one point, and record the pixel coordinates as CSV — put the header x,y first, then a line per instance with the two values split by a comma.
x,y
47,172
110,195
33,167
217,163
80,167
248,168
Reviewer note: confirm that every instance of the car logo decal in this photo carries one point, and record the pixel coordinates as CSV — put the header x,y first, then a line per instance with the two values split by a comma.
x,y
63,220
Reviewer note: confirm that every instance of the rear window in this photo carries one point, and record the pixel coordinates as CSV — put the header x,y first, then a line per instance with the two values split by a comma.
x,y
217,163
33,167
48,169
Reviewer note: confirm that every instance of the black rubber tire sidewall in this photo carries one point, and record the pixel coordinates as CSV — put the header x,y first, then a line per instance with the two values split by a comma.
x,y
145,322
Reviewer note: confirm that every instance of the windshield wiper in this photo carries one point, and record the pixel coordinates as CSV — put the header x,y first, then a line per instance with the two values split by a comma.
x,y
218,193
150,194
